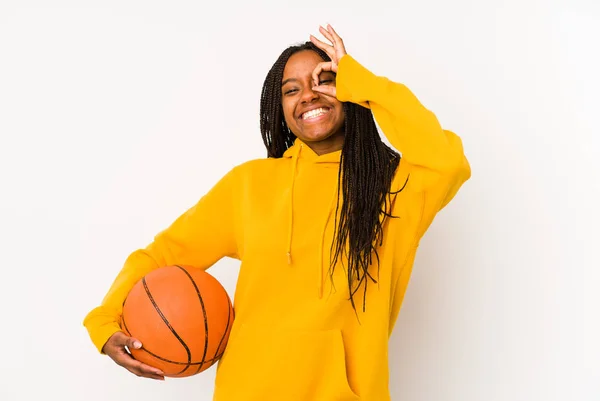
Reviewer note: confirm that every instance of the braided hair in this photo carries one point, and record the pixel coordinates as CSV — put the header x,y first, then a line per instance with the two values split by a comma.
x,y
367,166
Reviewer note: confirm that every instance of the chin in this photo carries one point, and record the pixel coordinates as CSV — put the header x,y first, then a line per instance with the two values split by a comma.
x,y
314,137
316,133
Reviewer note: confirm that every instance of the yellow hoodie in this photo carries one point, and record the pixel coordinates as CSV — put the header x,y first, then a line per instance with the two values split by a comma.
x,y
296,336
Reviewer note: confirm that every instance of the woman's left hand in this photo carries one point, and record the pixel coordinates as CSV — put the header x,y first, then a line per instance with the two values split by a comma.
x,y
335,51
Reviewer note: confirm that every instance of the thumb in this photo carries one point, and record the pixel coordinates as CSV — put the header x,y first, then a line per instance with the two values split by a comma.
x,y
133,343
327,90
122,339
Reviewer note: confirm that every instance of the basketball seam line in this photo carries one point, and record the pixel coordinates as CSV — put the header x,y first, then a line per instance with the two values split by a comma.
x,y
229,310
163,358
203,313
164,318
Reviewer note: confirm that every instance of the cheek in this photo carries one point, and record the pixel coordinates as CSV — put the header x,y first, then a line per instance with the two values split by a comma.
x,y
288,113
341,115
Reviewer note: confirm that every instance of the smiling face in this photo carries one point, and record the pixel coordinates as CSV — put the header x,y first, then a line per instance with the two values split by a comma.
x,y
316,119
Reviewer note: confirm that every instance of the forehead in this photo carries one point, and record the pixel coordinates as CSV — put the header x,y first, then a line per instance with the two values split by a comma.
x,y
301,64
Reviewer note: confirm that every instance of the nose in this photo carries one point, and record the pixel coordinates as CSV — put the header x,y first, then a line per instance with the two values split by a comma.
x,y
308,95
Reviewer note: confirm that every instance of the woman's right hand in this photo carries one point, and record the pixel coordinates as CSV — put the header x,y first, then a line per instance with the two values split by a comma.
x,y
115,349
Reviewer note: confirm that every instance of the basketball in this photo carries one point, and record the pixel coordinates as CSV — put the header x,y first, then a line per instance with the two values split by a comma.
x,y
183,317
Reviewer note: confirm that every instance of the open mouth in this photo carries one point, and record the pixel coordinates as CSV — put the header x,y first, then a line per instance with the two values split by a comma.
x,y
315,113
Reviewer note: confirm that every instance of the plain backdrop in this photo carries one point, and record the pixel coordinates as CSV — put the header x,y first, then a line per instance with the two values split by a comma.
x,y
116,116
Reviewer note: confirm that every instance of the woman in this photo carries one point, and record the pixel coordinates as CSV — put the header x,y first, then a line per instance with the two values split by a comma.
x,y
326,229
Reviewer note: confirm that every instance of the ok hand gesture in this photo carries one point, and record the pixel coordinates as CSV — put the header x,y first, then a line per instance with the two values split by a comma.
x,y
335,51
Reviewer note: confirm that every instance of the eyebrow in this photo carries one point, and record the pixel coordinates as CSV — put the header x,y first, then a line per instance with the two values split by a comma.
x,y
296,80
289,80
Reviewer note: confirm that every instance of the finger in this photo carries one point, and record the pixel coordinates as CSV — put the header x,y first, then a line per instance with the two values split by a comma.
x,y
121,339
323,66
326,34
149,370
335,38
141,373
326,90
142,370
133,343
323,46
334,35
124,359
149,375
146,370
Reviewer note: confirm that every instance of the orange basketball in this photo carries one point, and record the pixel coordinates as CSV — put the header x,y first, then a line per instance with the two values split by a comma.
x,y
183,317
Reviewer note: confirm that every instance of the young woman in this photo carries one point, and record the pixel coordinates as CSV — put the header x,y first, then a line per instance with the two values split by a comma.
x,y
326,229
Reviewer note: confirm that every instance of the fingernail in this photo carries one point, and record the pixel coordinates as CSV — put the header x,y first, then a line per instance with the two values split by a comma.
x,y
137,344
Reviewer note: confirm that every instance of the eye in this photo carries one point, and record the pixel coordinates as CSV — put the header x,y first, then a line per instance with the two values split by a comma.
x,y
290,91
325,81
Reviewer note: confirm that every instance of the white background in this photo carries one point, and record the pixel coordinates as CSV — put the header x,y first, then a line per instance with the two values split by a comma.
x,y
116,117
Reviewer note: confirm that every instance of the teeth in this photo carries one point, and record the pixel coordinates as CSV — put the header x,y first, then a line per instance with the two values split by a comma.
x,y
313,113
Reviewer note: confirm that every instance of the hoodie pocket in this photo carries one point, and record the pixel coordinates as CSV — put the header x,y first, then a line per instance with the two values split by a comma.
x,y
263,365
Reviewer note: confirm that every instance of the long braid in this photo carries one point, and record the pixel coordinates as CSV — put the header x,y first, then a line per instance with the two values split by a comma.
x,y
367,167
275,132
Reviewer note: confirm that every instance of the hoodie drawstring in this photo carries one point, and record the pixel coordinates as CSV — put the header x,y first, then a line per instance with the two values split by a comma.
x,y
295,158
321,268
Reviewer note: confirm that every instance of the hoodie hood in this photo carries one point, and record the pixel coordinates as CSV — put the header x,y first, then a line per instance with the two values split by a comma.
x,y
300,152
301,149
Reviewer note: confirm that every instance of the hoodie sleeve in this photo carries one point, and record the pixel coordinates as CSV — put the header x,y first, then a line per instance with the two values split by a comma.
x,y
433,156
199,237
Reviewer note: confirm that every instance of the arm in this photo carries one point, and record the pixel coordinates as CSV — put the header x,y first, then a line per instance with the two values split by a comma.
x,y
409,126
200,237
432,156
